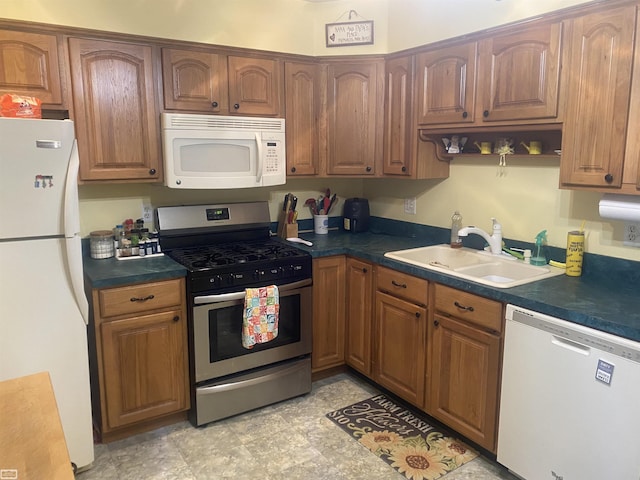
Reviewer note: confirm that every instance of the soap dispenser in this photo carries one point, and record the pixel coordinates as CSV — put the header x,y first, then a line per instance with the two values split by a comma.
x,y
538,257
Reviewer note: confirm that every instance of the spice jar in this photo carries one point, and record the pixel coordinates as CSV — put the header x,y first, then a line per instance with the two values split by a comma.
x,y
101,244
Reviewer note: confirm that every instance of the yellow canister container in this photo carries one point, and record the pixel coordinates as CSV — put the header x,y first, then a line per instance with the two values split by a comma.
x,y
575,252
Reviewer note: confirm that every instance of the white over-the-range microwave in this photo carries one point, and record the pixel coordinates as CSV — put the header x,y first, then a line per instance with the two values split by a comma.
x,y
214,151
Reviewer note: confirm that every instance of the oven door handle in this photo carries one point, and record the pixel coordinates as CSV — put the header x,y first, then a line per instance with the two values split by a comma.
x,y
225,297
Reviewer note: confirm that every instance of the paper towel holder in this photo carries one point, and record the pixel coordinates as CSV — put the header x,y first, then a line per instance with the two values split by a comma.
x,y
620,207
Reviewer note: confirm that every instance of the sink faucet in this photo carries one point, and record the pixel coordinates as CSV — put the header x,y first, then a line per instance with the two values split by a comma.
x,y
494,241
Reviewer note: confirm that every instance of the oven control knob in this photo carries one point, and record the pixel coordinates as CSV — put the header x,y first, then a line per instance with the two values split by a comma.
x,y
258,274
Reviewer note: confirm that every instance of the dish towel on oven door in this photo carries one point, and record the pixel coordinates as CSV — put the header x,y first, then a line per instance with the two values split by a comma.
x,y
260,319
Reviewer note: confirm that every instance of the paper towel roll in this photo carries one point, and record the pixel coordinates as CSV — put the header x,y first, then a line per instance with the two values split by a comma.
x,y
620,207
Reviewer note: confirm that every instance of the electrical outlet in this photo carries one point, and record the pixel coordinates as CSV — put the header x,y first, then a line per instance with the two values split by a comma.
x,y
632,234
147,213
410,205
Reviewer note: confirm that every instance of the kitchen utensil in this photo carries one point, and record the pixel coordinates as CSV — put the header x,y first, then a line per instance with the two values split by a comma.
x,y
299,240
312,204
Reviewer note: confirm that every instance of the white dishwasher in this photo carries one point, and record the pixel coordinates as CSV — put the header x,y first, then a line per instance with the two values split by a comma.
x,y
570,401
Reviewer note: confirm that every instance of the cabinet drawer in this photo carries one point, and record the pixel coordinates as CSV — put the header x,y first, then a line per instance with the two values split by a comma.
x,y
467,306
140,298
402,285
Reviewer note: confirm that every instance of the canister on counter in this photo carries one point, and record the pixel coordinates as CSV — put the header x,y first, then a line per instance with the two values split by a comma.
x,y
575,252
101,244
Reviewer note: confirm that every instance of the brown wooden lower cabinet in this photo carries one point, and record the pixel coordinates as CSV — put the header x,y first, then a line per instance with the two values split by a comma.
x,y
328,312
400,342
466,346
359,315
139,356
400,334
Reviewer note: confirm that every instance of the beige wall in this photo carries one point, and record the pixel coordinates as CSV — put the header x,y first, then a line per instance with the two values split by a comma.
x,y
293,26
526,199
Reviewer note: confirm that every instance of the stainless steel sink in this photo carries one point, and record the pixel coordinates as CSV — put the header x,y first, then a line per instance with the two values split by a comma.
x,y
477,266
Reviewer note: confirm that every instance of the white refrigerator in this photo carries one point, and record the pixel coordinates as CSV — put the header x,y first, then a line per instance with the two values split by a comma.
x,y
43,308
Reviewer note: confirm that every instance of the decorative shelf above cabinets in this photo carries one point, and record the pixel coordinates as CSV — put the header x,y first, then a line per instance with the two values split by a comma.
x,y
550,137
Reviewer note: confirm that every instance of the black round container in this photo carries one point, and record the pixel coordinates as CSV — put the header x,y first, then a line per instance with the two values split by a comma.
x,y
356,215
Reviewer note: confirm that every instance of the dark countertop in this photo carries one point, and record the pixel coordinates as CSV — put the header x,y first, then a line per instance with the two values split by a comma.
x,y
606,299
110,272
609,302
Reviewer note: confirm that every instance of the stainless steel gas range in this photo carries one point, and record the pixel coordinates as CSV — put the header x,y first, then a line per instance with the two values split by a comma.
x,y
226,249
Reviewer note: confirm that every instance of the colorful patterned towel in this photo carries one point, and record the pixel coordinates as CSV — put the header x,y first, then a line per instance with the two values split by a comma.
x,y
260,319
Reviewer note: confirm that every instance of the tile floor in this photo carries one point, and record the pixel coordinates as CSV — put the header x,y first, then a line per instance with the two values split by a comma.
x,y
290,440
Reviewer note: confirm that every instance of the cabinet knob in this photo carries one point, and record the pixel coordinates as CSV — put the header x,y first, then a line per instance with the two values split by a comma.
x,y
462,307
436,323
417,314
368,169
485,114
396,284
142,299
152,171
608,178
236,106
404,169
176,318
293,169
364,270
214,104
465,114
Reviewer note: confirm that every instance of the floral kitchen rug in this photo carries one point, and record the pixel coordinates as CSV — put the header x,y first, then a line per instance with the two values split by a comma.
x,y
406,442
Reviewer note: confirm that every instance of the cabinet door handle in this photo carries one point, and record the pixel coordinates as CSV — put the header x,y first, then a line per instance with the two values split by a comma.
x,y
214,104
404,169
176,318
152,171
462,307
368,169
436,323
396,284
364,270
418,314
465,114
608,178
485,114
293,169
143,299
236,106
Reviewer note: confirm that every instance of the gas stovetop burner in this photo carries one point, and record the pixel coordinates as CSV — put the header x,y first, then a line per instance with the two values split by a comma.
x,y
211,257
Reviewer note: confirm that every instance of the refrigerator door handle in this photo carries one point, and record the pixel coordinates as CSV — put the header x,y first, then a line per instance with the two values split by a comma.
x,y
74,260
71,203
72,233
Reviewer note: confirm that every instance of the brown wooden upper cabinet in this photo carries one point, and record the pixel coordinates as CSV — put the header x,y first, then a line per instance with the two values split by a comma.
x,y
595,128
513,77
301,106
30,65
115,115
399,131
194,80
519,74
446,85
354,117
211,82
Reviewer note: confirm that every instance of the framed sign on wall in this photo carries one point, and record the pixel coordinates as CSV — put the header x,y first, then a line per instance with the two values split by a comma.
x,y
349,33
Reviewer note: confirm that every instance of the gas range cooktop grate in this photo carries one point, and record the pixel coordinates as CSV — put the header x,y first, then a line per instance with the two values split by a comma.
x,y
211,257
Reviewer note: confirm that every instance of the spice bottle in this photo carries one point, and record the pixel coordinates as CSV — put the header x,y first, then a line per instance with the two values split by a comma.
x,y
456,225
